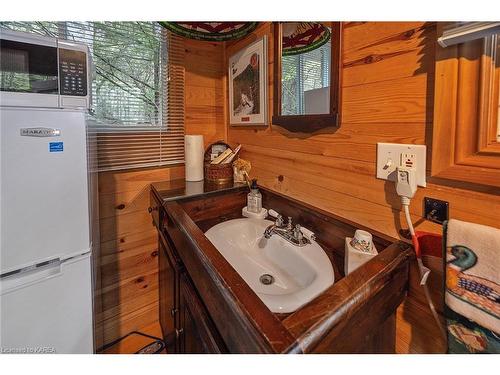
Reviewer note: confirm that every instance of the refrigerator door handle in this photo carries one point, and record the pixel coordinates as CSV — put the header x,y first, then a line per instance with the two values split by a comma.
x,y
30,276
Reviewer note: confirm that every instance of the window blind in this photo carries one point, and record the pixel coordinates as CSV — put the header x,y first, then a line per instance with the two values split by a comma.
x,y
137,90
301,73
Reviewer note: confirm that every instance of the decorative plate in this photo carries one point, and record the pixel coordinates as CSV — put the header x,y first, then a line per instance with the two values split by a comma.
x,y
301,37
210,31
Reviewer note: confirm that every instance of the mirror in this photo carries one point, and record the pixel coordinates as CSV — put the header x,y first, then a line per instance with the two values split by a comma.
x,y
305,68
307,56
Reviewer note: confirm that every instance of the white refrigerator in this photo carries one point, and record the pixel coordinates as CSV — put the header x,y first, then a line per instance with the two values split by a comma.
x,y
45,257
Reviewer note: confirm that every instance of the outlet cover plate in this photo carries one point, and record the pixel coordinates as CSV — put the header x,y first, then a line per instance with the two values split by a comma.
x,y
436,210
391,152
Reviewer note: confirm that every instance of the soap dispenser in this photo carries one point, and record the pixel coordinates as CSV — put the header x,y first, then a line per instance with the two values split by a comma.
x,y
254,198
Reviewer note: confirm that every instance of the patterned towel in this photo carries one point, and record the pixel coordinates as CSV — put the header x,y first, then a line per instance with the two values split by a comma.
x,y
472,297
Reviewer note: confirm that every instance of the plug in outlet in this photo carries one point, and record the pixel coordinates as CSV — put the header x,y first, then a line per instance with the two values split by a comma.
x,y
392,155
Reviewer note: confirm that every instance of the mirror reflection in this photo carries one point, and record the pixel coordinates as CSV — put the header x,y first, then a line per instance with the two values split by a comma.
x,y
305,68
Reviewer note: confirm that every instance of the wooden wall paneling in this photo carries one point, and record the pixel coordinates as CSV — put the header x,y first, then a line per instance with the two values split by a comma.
x,y
129,275
121,203
128,252
368,36
120,181
136,265
134,291
398,55
351,142
393,101
388,96
121,225
204,93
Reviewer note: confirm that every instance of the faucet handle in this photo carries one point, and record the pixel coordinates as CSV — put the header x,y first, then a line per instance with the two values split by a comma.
x,y
289,223
273,213
297,232
277,216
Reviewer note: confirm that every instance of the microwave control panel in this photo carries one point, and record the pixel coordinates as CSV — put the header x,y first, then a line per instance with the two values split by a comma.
x,y
72,72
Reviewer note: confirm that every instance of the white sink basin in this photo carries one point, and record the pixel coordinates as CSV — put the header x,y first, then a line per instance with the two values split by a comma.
x,y
300,273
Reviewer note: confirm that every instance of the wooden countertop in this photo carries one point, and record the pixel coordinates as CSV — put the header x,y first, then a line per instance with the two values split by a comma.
x,y
180,189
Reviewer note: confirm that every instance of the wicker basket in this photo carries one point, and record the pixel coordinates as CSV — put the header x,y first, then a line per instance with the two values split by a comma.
x,y
217,173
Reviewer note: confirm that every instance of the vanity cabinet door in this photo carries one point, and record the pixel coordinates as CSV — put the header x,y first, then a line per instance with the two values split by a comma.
x,y
168,293
197,333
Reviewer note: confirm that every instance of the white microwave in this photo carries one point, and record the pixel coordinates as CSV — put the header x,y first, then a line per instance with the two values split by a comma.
x,y
39,71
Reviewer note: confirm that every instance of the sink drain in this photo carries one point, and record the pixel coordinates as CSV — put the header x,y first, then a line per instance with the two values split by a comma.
x,y
266,279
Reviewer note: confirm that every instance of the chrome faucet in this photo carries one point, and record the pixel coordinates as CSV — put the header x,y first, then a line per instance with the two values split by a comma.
x,y
292,234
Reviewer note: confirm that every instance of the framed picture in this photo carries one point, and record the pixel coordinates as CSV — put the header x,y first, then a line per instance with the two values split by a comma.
x,y
248,85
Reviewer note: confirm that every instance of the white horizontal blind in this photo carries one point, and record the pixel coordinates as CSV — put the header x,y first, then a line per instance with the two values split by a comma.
x,y
159,141
137,89
303,72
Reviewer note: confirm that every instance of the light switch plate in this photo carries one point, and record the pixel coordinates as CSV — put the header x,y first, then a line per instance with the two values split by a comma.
x,y
389,157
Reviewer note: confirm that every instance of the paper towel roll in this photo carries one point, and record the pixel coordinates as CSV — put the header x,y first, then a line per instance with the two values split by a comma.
x,y
194,157
194,187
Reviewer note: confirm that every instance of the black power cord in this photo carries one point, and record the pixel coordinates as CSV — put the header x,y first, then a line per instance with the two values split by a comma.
x,y
159,341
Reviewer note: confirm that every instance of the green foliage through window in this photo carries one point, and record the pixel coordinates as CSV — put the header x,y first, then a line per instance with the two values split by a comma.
x,y
301,73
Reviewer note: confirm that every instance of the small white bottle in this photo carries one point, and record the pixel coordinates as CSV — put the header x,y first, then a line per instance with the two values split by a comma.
x,y
254,198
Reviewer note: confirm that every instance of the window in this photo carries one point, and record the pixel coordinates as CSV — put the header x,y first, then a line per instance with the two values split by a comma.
x,y
137,89
302,73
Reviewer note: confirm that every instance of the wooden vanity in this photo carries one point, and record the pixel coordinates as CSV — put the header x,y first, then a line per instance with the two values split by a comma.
x,y
206,307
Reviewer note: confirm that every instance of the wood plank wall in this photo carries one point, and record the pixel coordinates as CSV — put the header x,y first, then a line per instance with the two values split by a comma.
x,y
205,90
387,96
128,246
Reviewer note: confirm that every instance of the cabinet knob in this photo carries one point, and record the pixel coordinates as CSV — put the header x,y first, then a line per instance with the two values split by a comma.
x,y
151,209
179,332
173,312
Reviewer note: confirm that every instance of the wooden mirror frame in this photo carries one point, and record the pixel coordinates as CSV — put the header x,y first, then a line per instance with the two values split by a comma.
x,y
309,123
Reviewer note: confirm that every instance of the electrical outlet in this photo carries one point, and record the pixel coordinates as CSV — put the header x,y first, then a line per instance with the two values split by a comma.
x,y
408,160
391,155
